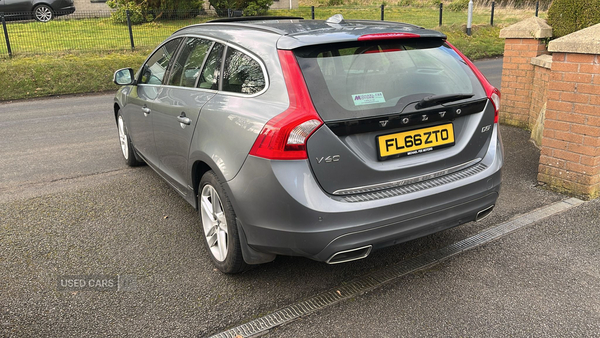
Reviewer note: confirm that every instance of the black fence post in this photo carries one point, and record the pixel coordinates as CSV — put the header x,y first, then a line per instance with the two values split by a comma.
x,y
6,35
492,17
382,11
312,12
441,12
537,8
130,31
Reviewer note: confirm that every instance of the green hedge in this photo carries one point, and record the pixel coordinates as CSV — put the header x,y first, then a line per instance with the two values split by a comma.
x,y
568,16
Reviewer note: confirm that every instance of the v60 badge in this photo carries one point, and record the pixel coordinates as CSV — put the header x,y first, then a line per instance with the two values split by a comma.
x,y
328,159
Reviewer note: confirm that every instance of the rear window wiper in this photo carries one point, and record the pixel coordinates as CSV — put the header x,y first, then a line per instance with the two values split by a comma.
x,y
434,100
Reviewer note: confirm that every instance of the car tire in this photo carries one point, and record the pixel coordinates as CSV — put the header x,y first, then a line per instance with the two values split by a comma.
x,y
219,228
126,147
43,13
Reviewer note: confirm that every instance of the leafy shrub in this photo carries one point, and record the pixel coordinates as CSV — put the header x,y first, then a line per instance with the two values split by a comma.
x,y
258,7
568,16
458,5
141,11
221,6
137,12
249,7
335,2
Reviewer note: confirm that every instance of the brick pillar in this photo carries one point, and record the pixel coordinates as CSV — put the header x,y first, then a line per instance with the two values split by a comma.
x,y
523,41
570,157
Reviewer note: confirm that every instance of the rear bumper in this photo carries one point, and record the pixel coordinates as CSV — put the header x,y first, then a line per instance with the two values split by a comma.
x,y
283,210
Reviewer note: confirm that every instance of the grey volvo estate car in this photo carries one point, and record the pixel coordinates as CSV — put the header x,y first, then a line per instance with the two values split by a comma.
x,y
322,139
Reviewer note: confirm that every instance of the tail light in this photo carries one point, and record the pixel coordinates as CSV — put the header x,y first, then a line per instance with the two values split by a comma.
x,y
495,98
492,92
284,136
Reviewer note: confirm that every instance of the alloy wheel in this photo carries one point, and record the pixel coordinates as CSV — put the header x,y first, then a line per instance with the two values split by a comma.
x,y
43,13
214,222
123,138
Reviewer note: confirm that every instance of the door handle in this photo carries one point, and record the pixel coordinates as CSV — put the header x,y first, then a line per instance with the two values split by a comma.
x,y
183,119
146,110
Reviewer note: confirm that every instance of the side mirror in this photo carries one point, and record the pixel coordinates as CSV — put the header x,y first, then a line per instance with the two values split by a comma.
x,y
124,77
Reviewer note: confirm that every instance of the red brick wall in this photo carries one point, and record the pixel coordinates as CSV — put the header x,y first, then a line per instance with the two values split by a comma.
x,y
570,157
517,80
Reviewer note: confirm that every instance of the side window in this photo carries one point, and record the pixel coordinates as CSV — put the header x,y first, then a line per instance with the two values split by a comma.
x,y
154,70
186,69
242,74
209,79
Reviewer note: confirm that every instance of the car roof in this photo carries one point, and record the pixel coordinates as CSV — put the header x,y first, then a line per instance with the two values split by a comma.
x,y
296,32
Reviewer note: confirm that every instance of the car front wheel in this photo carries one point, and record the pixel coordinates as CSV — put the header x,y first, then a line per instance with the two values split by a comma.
x,y
218,224
43,13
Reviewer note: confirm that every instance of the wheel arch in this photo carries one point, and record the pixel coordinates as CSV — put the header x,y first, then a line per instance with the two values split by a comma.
x,y
37,3
250,255
199,168
116,108
201,164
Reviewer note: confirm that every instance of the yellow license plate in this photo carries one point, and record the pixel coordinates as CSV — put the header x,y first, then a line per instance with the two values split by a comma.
x,y
415,141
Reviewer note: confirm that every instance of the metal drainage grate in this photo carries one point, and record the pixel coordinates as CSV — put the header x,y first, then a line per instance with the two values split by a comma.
x,y
378,278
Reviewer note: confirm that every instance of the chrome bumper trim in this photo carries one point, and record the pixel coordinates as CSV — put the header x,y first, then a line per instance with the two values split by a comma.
x,y
407,181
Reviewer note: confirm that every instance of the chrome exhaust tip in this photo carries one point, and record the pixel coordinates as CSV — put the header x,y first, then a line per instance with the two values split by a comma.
x,y
350,255
484,213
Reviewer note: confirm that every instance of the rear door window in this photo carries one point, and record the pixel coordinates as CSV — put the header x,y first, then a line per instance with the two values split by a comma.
x,y
186,69
365,79
209,77
241,73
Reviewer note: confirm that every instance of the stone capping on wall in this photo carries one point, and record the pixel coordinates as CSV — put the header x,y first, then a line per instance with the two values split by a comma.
x,y
585,41
532,28
542,61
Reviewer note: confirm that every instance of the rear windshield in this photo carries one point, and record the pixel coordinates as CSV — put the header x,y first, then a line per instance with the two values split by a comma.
x,y
366,79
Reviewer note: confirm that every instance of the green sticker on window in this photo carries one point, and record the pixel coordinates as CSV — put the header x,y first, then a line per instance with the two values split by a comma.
x,y
368,98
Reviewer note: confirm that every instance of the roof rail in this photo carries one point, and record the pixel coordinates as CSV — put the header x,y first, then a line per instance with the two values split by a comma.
x,y
255,18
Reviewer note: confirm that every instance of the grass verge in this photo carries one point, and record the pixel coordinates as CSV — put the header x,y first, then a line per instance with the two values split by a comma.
x,y
483,43
29,77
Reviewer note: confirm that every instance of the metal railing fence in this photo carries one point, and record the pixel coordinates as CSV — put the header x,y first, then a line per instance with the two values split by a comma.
x,y
87,31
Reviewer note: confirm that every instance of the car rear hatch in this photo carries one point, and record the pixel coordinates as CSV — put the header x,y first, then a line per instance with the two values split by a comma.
x,y
397,109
